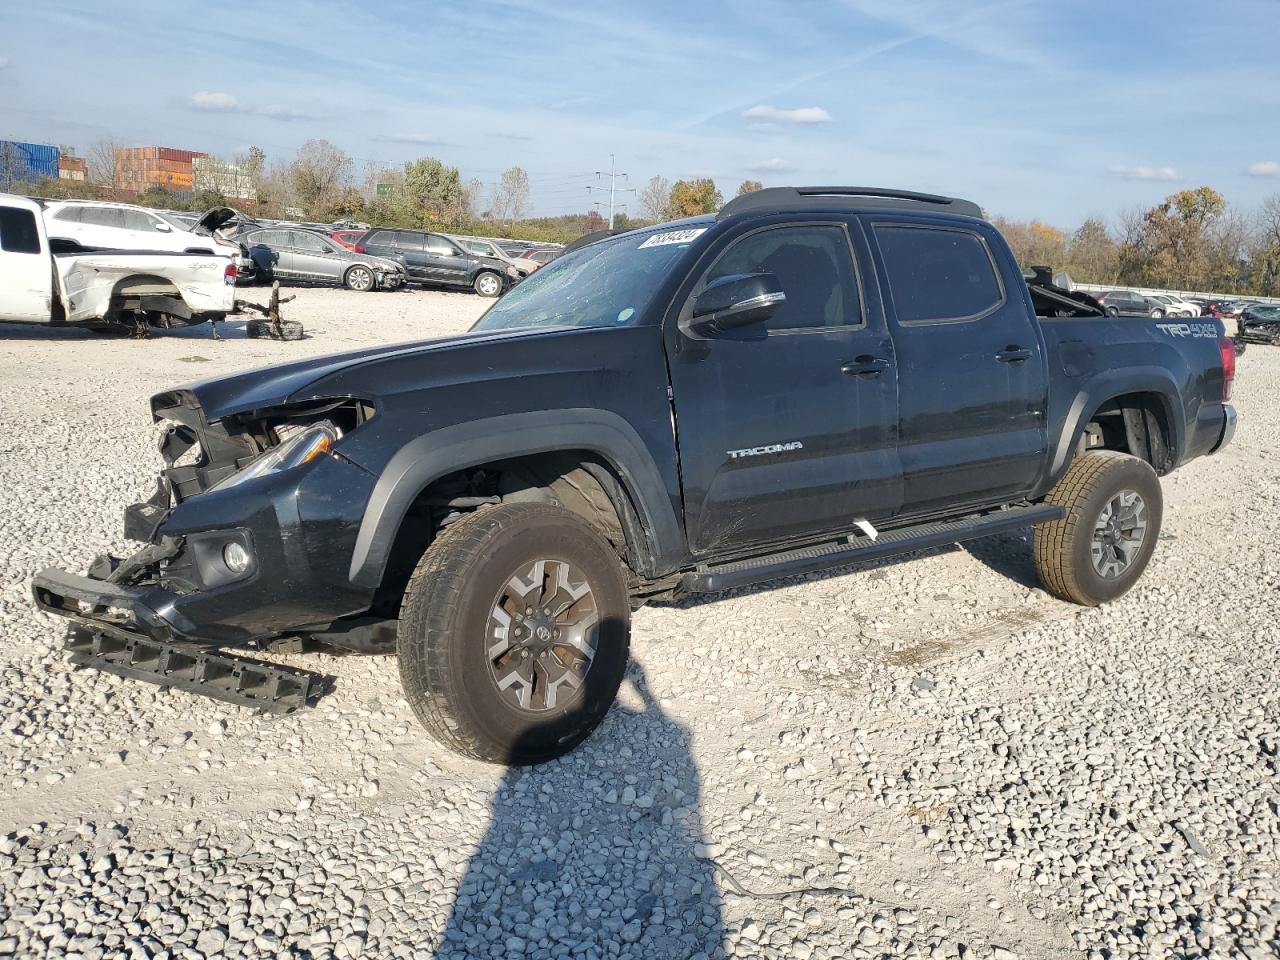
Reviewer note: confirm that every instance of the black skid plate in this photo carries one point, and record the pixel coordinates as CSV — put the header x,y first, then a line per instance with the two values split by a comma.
x,y
211,673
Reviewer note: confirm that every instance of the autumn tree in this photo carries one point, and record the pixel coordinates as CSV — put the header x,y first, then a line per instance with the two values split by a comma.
x,y
511,196
433,193
655,199
692,197
320,175
1171,247
749,186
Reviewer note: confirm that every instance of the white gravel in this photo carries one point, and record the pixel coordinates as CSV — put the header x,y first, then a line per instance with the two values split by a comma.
x,y
943,760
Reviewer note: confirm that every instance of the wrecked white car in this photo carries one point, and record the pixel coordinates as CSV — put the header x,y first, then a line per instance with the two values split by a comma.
x,y
44,281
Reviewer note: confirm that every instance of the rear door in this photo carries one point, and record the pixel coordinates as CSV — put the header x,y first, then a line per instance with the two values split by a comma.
x,y
788,429
26,280
410,246
972,379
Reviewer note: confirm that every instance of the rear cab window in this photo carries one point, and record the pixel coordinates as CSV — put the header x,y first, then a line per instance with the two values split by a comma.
x,y
938,274
18,233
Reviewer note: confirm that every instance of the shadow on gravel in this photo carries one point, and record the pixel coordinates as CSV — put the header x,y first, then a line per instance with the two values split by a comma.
x,y
595,855
1008,554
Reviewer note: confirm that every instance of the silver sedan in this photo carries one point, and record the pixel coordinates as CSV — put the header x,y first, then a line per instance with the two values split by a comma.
x,y
291,254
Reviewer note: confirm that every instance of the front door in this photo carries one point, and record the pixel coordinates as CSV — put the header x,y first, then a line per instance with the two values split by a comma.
x,y
971,369
26,279
316,258
787,429
446,261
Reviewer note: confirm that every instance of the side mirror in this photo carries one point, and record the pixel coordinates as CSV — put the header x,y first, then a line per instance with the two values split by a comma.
x,y
162,226
734,301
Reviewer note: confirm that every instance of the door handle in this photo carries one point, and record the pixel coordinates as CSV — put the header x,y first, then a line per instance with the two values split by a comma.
x,y
1013,354
865,366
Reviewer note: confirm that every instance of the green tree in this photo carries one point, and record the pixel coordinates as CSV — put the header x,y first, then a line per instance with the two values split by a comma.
x,y
158,197
433,194
692,197
1092,255
320,174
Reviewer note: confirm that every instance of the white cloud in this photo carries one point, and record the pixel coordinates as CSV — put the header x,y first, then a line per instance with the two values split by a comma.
x,y
212,101
774,165
1167,174
1264,168
215,102
764,111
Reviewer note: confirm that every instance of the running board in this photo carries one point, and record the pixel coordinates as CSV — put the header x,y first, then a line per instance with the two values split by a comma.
x,y
210,673
711,578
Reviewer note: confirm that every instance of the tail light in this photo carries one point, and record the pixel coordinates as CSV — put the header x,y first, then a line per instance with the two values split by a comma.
x,y
229,274
1227,347
358,248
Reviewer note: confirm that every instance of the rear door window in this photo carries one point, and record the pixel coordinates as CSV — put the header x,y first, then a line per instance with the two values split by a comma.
x,y
381,238
18,232
408,240
938,274
103,216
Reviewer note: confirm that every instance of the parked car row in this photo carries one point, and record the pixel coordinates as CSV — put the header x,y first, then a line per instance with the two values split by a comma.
x,y
1156,305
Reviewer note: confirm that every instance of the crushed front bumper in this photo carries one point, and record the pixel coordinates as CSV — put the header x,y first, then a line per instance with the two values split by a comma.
x,y
119,630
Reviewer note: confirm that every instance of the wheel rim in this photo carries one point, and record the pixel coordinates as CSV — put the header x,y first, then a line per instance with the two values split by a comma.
x,y
1118,534
361,278
542,634
488,285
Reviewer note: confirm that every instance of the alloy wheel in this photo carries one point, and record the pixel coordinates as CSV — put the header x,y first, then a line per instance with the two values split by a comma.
x,y
1118,534
542,634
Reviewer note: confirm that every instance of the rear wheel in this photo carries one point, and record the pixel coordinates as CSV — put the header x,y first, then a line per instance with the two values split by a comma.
x,y
359,278
514,633
1157,313
1098,551
1113,311
488,284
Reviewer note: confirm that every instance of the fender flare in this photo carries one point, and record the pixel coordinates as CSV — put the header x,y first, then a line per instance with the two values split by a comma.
x,y
422,461
1108,386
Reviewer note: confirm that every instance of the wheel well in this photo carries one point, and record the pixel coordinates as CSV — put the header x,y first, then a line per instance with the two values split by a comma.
x,y
579,481
1134,423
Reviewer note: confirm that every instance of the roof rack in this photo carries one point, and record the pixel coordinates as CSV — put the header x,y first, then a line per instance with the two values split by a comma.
x,y
862,198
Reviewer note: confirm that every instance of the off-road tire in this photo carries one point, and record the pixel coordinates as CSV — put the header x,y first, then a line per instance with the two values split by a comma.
x,y
442,642
1062,547
487,284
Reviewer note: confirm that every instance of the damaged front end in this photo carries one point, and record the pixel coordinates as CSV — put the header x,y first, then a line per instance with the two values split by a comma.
x,y
250,513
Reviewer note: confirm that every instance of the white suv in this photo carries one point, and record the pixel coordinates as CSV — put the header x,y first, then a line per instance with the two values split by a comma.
x,y
122,226
1175,306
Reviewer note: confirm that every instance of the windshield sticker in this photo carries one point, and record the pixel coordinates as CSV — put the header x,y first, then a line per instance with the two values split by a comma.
x,y
672,236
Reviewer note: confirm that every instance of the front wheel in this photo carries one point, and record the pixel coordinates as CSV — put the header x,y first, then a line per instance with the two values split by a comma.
x,y
514,633
1098,551
1113,311
1157,313
488,284
359,278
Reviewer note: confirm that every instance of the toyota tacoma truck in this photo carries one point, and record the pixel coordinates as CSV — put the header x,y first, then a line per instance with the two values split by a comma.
x,y
808,378
55,281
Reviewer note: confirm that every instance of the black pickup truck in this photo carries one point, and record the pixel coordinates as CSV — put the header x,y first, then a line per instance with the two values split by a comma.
x,y
811,377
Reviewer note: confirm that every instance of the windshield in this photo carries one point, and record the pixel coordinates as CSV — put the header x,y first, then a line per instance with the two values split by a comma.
x,y
606,284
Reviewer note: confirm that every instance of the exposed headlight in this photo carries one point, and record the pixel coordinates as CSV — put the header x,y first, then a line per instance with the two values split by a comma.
x,y
304,446
512,272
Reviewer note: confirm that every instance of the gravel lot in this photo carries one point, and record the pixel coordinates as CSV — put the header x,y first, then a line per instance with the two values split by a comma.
x,y
933,757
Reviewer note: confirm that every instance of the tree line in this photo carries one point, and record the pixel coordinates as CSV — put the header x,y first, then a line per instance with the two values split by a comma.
x,y
1193,240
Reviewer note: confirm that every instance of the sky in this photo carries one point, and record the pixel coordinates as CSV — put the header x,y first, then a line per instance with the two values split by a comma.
x,y
1053,109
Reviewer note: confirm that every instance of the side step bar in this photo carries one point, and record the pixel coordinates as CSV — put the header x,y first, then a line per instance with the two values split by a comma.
x,y
711,578
211,673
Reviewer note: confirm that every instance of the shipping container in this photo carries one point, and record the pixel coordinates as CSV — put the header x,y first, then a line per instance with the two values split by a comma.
x,y
181,156
72,168
27,162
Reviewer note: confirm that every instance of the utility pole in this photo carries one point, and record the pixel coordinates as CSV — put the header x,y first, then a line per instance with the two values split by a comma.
x,y
613,181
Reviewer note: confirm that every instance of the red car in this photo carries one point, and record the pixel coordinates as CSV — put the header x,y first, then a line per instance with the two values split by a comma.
x,y
348,238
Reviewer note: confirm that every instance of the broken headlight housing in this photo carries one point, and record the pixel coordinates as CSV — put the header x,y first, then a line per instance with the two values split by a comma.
x,y
299,446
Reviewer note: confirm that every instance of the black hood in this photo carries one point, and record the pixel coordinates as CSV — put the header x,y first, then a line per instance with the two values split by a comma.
x,y
289,382
211,220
